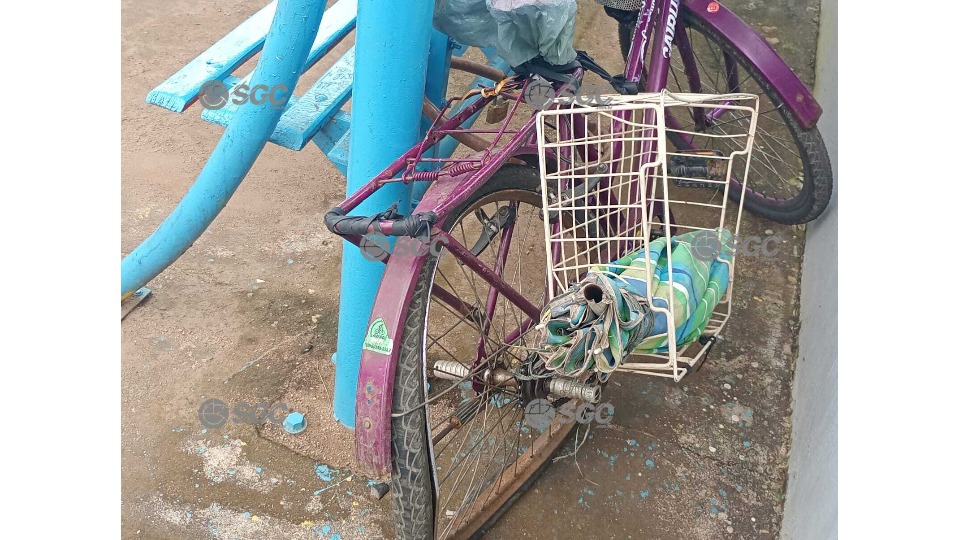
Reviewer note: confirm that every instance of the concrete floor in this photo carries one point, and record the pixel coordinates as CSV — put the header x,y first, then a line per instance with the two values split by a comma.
x,y
249,315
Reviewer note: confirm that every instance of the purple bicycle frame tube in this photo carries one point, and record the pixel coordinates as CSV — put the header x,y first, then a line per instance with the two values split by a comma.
x,y
493,294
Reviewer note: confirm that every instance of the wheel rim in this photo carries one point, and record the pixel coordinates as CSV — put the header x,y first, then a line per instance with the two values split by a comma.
x,y
479,464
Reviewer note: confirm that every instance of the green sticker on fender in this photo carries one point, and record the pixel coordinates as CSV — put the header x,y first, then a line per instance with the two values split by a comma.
x,y
378,339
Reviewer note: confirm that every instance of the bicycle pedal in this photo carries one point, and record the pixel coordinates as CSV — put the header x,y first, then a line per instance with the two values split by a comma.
x,y
686,170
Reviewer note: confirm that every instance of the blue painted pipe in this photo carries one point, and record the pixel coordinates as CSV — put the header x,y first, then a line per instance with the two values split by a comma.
x,y
289,40
388,86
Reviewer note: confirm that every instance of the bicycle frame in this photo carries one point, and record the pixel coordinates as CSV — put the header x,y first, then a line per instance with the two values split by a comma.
x,y
660,26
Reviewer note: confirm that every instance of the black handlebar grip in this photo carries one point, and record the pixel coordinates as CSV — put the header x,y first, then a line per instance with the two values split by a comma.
x,y
417,225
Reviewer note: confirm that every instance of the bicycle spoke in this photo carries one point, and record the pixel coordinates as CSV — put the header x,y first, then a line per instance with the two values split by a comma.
x,y
477,436
773,175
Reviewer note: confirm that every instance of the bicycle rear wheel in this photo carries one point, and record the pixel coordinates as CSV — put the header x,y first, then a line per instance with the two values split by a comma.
x,y
790,180
466,456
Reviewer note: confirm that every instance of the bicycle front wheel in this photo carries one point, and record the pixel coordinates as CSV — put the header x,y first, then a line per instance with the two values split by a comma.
x,y
460,460
790,180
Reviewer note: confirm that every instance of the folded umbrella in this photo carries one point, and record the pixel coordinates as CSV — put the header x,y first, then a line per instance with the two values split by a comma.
x,y
606,316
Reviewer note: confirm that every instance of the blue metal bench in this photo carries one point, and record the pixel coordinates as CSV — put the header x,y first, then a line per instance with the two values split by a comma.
x,y
316,115
278,31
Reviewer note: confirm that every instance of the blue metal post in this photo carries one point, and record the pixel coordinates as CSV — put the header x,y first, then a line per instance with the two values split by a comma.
x,y
388,87
291,34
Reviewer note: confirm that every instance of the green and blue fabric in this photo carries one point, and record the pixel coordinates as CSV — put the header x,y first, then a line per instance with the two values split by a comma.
x,y
595,331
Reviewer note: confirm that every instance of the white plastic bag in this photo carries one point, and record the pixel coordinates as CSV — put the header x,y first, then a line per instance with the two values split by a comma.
x,y
519,29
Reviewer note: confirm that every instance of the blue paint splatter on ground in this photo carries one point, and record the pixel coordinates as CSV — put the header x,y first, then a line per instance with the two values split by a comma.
x,y
644,494
335,536
748,414
580,500
632,442
714,502
676,487
628,476
258,469
747,444
325,473
204,430
326,529
499,400
588,491
649,463
714,511
652,446
739,488
246,515
613,458
723,493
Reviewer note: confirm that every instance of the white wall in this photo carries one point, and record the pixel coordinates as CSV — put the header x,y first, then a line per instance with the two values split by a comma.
x,y
811,505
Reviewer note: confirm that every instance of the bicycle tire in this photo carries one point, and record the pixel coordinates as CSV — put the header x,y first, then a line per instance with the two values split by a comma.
x,y
817,189
413,492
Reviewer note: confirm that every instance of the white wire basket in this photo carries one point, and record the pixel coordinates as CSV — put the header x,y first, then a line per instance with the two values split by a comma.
x,y
599,208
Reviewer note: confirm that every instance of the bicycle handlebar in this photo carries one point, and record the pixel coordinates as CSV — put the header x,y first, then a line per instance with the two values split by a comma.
x,y
388,223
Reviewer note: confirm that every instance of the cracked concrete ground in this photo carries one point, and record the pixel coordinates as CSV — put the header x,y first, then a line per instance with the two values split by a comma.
x,y
248,314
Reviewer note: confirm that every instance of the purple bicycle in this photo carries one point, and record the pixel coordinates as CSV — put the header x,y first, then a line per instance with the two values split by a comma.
x,y
446,371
